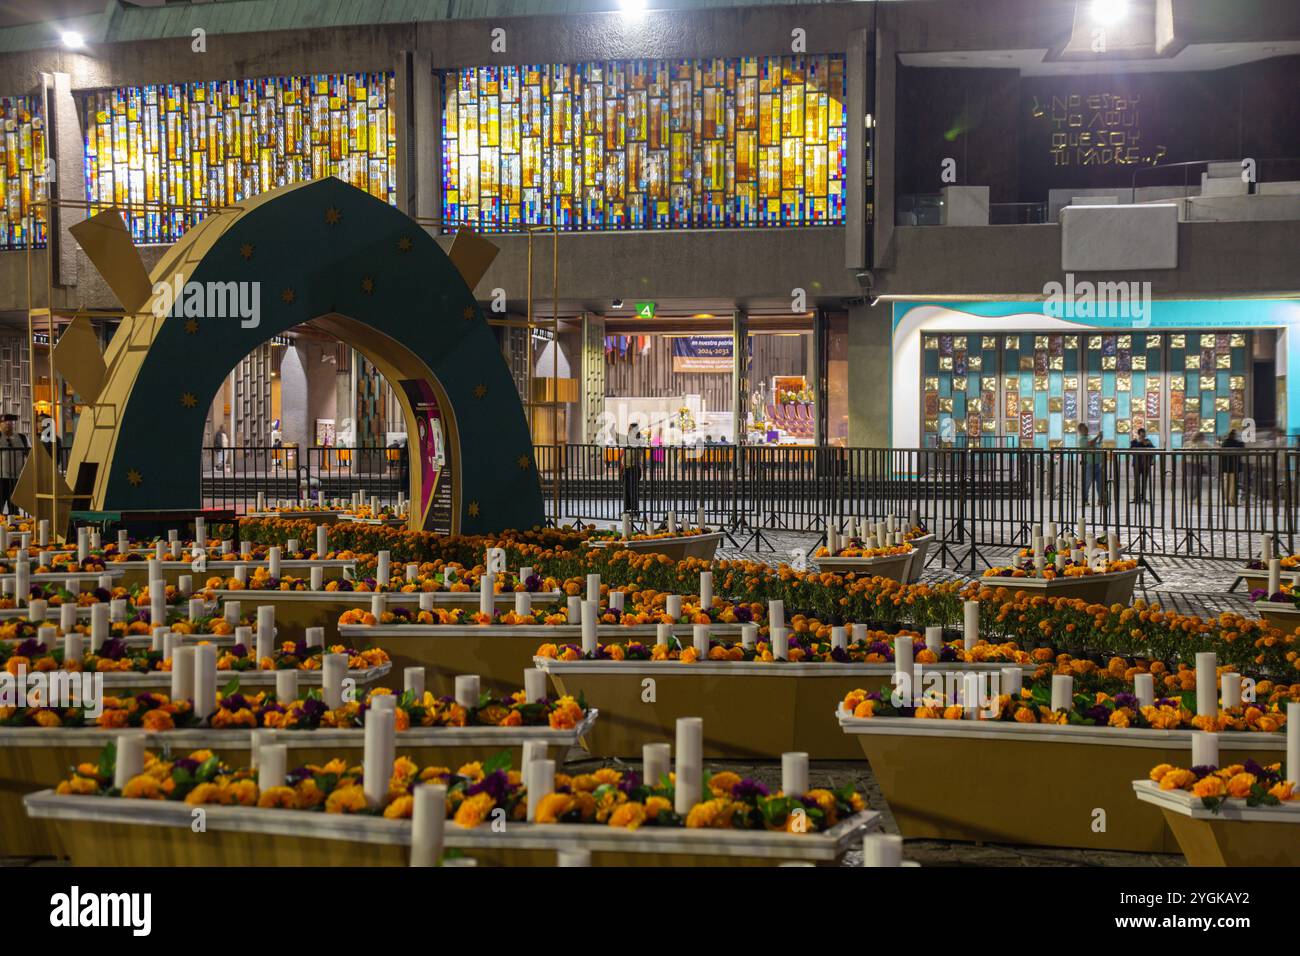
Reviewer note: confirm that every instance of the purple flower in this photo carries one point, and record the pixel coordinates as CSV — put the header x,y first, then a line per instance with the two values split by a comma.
x,y
839,655
744,615
345,586
534,583
631,780
102,595
1258,594
1204,770
881,648
1123,699
185,763
113,649
1098,713
749,789
313,710
30,648
239,650
234,702
947,654
496,783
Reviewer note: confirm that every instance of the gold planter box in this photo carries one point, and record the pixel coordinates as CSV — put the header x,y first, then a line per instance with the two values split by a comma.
x,y
1285,617
1112,588
1041,785
1237,835
703,546
103,831
137,572
895,567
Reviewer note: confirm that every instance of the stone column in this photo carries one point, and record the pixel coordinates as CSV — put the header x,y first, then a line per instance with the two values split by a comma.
x,y
870,374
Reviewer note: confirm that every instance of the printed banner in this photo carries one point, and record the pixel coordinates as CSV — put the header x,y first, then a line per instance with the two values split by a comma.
x,y
702,353
429,444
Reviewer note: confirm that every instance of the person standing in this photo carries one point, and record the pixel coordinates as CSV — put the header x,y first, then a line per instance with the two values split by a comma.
x,y
1195,468
1142,464
222,442
1230,467
13,453
1091,462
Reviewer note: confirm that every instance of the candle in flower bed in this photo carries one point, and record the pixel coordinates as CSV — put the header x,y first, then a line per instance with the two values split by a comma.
x,y
794,773
971,623
99,624
673,606
593,587
428,820
316,577
1012,680
129,759
534,684
286,685
663,634
573,612
467,690
1207,689
690,763
589,612
1062,692
1205,749
413,681
334,668
205,680
701,641
882,849
377,758
780,640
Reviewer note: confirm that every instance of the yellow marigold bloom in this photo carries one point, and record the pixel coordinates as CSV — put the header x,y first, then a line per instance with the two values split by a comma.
x,y
1239,786
472,771
1210,786
722,784
278,798
1285,790
77,785
474,810
207,793
1177,779
142,787
346,799
401,808
553,806
628,816
1118,718
243,792
657,805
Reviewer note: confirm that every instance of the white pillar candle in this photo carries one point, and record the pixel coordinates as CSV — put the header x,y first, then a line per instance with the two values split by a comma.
x,y
673,606
231,611
1274,576
241,573
378,604
467,690
593,587
261,501
672,522
43,532
428,824
265,645
1293,742
426,600
384,568
663,633
73,646
1266,548
98,626
487,593
525,572
617,600
1051,531
158,637
794,774
117,609
839,638
891,523
1083,527
882,849
183,673
1205,749
859,633
905,668
83,544
272,760
96,543
185,584
316,578
23,582
702,641
174,551
205,680
1013,679
524,603
1036,533
706,590
1207,685
196,608
776,613
334,668
573,858
1036,546
273,561
377,756
699,516
291,546
534,684
105,581
37,609
1144,689
655,762
200,530
933,639
159,553
130,759
748,635
227,546
573,611
46,635
266,624
627,526
412,572
286,685
832,541
245,549
530,752
171,641
386,703
67,617
540,783
589,614
1231,690
870,543
780,640
1059,562
72,584
1062,692
690,764
1112,545
971,694
322,541
971,624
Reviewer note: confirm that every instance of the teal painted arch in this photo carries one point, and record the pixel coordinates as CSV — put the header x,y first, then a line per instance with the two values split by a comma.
x,y
328,249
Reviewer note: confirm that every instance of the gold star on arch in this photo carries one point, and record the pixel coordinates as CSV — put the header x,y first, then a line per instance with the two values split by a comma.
x,y
134,477
332,216
367,285
404,244
468,313
188,399
480,391
246,250
287,296
191,326
473,509
523,462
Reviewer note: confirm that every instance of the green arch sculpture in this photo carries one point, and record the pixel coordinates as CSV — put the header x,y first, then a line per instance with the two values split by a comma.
x,y
327,252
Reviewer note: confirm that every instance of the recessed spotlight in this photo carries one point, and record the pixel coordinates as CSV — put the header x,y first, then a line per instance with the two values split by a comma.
x,y
632,9
1108,12
73,40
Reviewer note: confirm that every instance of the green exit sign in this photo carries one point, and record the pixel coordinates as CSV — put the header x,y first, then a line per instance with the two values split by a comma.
x,y
645,310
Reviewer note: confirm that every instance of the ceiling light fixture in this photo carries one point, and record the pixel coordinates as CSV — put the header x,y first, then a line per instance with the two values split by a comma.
x,y
73,40
1109,12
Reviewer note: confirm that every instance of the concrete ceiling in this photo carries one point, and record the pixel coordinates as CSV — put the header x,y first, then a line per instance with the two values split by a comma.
x,y
1196,56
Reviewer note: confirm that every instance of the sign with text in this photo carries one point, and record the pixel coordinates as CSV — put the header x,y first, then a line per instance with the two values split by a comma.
x,y
702,353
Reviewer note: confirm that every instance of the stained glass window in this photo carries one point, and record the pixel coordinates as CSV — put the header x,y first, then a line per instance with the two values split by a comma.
x,y
212,144
646,144
1040,399
1124,387
22,151
1207,381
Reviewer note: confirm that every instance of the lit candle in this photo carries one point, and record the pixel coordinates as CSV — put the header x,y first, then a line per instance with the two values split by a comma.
x,y
690,764
428,824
